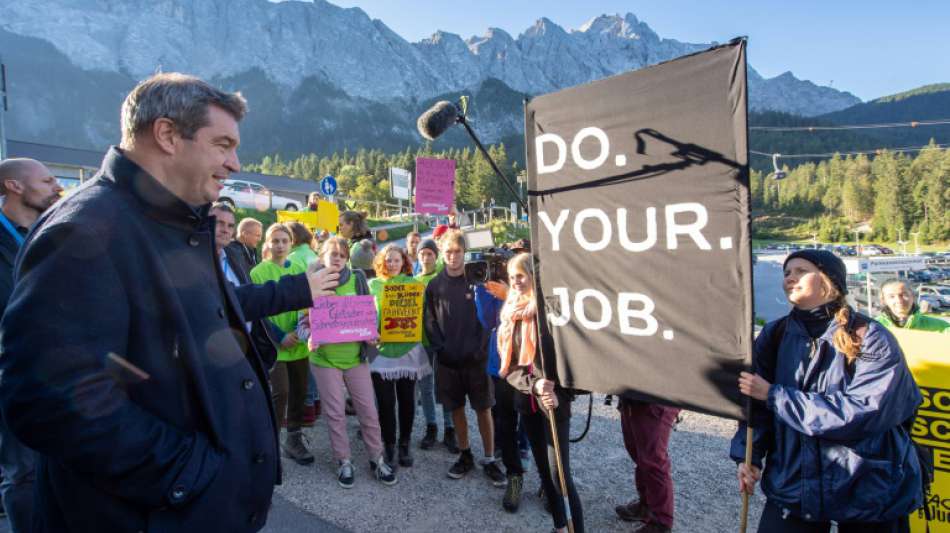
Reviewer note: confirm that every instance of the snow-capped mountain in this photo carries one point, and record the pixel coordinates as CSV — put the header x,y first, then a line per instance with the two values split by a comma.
x,y
289,49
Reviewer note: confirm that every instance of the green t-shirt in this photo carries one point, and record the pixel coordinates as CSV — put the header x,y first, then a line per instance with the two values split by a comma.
x,y
303,254
918,321
286,322
343,355
376,285
425,279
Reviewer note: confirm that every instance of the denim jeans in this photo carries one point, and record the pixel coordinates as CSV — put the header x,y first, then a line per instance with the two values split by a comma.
x,y
16,462
426,390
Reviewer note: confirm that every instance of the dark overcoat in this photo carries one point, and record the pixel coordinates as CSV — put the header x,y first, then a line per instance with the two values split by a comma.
x,y
127,366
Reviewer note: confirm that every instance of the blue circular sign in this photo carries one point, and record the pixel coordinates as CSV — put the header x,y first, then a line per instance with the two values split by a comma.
x,y
328,185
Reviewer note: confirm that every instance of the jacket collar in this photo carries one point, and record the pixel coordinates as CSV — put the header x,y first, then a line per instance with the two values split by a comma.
x,y
158,202
799,329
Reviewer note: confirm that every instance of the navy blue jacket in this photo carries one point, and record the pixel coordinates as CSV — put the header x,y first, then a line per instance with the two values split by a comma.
x,y
831,436
127,365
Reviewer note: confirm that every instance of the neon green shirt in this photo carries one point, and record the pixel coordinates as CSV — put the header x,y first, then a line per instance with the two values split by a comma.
x,y
303,254
286,322
918,321
425,279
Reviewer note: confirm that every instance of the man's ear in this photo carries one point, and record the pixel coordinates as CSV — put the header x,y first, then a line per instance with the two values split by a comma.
x,y
166,135
12,185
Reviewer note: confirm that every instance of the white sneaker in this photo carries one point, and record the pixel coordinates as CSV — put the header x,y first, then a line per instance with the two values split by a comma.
x,y
345,474
384,472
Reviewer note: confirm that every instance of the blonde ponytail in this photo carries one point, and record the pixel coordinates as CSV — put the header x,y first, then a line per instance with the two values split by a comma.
x,y
846,340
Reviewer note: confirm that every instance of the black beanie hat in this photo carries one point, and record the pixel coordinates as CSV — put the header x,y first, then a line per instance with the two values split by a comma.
x,y
430,244
826,262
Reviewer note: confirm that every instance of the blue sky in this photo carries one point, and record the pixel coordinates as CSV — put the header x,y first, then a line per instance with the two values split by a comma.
x,y
871,48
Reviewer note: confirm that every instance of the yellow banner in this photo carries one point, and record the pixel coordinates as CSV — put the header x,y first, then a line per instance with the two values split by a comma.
x,y
400,313
326,217
307,218
928,356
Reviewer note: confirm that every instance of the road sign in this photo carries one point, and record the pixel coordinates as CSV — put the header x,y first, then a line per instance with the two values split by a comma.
x,y
400,183
885,264
328,185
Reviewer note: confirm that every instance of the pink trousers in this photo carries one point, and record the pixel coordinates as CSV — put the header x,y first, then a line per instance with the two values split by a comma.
x,y
357,380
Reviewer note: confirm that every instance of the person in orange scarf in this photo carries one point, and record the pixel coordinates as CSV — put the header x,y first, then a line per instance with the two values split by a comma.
x,y
539,395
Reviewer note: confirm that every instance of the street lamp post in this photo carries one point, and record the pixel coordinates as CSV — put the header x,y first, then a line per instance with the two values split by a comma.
x,y
916,245
3,109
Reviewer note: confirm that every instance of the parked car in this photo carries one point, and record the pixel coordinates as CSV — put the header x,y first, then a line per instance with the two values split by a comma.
x,y
940,294
885,250
251,195
927,303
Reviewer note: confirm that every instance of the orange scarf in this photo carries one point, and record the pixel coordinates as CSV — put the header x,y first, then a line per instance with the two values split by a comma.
x,y
523,309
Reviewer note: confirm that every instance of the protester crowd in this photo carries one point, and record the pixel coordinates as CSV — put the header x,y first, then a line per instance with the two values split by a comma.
x,y
157,359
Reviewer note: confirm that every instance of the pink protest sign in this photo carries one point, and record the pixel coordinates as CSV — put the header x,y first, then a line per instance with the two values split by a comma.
x,y
435,185
343,319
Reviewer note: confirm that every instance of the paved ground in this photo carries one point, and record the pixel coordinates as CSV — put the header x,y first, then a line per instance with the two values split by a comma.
x,y
426,500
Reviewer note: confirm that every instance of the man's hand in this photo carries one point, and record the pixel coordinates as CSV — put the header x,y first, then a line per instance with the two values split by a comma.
x,y
748,476
312,345
289,340
322,280
754,386
497,289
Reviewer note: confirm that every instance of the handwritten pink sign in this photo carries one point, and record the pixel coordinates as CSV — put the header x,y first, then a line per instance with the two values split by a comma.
x,y
336,319
435,185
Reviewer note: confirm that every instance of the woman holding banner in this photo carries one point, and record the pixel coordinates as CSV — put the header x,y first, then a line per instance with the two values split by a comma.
x,y
538,397
832,396
346,364
400,364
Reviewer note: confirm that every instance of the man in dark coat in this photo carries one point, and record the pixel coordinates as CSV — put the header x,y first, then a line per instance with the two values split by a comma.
x,y
243,249
125,357
28,189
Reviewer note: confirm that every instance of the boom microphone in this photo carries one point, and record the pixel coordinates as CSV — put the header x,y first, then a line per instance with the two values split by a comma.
x,y
437,119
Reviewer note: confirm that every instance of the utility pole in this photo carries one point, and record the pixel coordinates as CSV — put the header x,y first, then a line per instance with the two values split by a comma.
x,y
916,246
3,109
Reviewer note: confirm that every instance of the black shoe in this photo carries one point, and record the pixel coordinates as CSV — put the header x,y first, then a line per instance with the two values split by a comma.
x,y
405,458
512,498
432,433
633,512
652,527
448,439
383,472
463,466
494,474
389,454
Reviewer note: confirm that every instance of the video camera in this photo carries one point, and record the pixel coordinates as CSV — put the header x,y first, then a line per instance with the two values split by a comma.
x,y
484,262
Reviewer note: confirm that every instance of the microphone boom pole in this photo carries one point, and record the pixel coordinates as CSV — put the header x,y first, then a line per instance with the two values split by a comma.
x,y
501,175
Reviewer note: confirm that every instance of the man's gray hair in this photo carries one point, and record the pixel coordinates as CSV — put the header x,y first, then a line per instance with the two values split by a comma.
x,y
179,97
246,223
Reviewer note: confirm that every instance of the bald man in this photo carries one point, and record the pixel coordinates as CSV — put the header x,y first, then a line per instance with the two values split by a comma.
x,y
28,189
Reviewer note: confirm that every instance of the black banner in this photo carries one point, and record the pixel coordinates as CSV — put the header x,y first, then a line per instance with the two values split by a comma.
x,y
639,199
